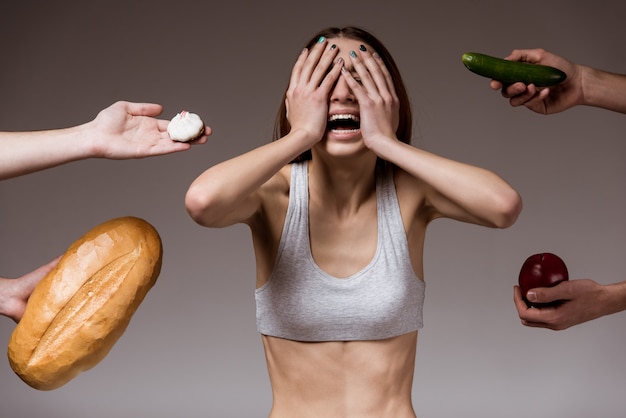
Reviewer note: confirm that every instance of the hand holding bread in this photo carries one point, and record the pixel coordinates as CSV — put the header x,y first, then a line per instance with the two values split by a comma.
x,y
82,307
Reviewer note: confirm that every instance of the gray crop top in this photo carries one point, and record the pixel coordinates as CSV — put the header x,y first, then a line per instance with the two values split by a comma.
x,y
301,302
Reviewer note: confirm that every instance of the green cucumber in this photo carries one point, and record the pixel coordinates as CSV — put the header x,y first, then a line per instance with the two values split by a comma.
x,y
509,72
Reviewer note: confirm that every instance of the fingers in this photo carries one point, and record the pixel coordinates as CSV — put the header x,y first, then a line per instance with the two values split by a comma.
x,y
142,109
313,57
313,66
530,317
333,74
531,100
495,85
527,55
520,94
560,292
298,67
324,71
516,89
30,280
520,304
373,75
366,76
162,125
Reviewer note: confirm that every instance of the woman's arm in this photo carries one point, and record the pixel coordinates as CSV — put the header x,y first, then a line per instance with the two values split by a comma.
x,y
453,189
456,190
231,192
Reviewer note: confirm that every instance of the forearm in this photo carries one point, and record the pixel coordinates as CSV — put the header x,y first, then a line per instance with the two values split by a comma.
x,y
225,193
461,191
603,89
27,152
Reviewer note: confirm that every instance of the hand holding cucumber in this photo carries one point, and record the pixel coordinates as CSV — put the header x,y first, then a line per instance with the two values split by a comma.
x,y
546,100
538,97
510,71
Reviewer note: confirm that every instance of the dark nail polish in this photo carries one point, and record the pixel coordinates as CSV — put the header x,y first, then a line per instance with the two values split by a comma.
x,y
333,46
362,48
353,54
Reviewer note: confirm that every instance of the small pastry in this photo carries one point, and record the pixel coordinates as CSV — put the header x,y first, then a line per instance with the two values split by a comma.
x,y
185,127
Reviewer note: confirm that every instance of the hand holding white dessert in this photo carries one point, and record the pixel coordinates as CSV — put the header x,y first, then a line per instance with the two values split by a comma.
x,y
123,130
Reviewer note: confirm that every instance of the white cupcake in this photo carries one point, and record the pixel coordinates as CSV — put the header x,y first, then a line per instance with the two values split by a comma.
x,y
185,126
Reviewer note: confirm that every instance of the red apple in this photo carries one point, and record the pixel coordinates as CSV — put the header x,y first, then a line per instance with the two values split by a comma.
x,y
541,270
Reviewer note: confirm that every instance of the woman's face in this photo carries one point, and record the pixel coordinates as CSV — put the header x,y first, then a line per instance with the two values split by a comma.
x,y
343,132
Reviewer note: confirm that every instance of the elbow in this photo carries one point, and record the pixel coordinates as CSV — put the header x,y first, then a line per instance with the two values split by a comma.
x,y
209,204
510,206
197,203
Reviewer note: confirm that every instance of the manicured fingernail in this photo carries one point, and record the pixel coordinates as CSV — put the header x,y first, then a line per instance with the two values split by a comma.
x,y
339,61
531,296
362,48
321,39
375,55
333,46
353,54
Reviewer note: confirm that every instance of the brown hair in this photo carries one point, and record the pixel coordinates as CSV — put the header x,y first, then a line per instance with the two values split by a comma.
x,y
405,123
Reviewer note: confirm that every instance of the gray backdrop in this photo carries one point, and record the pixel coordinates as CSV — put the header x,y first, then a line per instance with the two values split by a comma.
x,y
192,349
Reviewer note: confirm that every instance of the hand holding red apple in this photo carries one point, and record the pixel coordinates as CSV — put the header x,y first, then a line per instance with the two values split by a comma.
x,y
541,270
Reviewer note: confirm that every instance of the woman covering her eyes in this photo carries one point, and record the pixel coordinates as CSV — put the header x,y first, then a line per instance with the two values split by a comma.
x,y
338,207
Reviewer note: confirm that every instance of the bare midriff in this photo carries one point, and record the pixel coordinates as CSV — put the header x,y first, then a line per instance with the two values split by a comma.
x,y
341,379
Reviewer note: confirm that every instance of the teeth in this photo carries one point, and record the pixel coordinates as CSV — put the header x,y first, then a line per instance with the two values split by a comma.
x,y
343,117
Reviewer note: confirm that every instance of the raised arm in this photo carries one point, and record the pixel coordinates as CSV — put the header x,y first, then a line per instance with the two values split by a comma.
x,y
452,189
231,192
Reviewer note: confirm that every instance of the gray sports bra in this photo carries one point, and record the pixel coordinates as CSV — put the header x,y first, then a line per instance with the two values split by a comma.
x,y
302,302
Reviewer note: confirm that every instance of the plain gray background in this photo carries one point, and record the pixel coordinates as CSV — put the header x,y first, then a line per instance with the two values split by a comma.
x,y
192,349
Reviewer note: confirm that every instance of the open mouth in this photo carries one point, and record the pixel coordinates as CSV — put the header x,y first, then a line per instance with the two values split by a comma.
x,y
343,123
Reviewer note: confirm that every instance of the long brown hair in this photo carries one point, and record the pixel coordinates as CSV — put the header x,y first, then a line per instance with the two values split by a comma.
x,y
405,122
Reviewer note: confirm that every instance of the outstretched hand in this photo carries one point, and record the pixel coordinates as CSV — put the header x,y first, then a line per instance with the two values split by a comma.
x,y
545,100
579,301
127,130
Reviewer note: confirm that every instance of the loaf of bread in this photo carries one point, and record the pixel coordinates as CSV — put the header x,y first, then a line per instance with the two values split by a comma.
x,y
80,309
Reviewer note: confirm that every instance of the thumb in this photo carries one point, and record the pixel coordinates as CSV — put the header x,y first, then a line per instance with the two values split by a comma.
x,y
543,295
143,109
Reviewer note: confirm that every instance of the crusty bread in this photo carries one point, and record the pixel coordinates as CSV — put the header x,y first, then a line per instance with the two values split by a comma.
x,y
82,307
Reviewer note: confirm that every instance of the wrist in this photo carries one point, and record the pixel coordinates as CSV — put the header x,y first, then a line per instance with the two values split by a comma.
x,y
603,89
388,148
616,297
85,141
591,86
303,139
